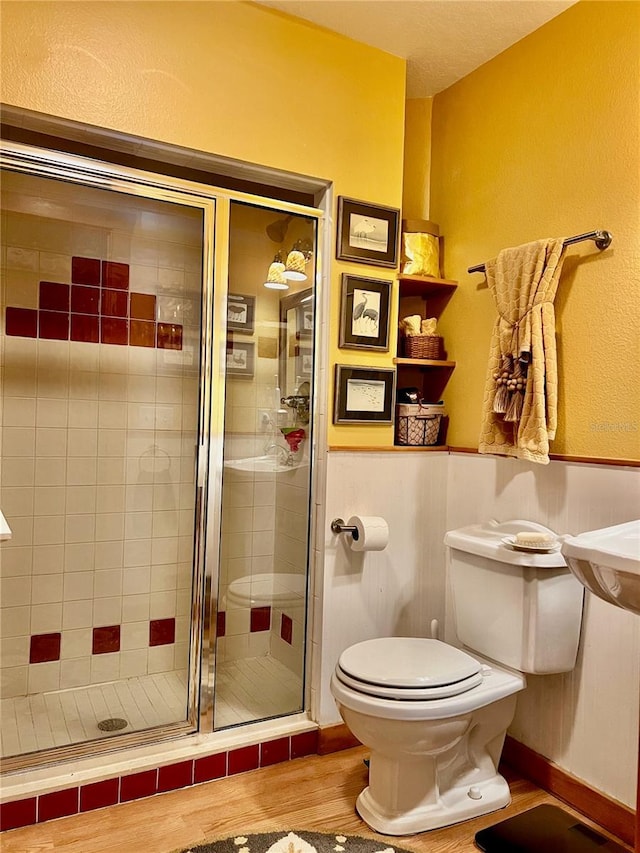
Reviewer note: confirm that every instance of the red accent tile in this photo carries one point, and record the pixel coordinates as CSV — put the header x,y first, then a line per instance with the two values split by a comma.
x,y
143,306
54,296
44,647
260,618
97,795
286,628
245,758
115,275
142,334
210,767
169,336
114,303
306,743
85,328
85,271
85,300
18,813
57,804
22,322
162,632
138,785
53,325
274,751
221,629
105,640
174,776
114,330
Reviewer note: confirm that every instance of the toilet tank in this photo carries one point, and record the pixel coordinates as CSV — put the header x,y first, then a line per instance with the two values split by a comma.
x,y
518,608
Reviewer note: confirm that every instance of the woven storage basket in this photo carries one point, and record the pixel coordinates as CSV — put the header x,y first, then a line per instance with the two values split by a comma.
x,y
418,424
423,346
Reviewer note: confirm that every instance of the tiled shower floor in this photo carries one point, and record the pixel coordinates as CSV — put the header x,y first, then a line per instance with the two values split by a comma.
x,y
246,690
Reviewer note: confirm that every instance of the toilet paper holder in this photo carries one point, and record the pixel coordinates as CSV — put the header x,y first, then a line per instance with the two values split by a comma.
x,y
338,526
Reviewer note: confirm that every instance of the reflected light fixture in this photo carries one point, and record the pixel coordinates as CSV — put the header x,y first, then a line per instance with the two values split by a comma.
x,y
298,257
294,268
275,277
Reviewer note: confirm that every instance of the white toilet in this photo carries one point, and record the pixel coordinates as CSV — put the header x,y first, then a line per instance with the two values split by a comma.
x,y
434,716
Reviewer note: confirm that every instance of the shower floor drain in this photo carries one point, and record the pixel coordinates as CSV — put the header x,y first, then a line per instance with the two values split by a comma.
x,y
113,724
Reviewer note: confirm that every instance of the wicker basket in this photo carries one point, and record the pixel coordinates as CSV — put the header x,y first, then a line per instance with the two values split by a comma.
x,y
418,424
423,346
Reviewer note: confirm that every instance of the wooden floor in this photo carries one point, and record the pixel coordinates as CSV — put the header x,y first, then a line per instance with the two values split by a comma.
x,y
315,793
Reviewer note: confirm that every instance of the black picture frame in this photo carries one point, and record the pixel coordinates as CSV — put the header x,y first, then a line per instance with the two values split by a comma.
x,y
363,395
241,313
240,358
365,313
367,233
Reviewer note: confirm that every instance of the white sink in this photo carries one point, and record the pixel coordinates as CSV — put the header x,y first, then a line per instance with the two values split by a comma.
x,y
259,464
607,563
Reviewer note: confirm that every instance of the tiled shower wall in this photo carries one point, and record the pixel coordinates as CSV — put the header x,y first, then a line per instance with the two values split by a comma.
x,y
97,441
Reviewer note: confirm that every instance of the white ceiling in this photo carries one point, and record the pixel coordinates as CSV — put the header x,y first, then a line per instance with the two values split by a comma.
x,y
442,40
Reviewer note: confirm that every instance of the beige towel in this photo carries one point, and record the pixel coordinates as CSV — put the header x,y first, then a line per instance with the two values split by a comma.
x,y
523,281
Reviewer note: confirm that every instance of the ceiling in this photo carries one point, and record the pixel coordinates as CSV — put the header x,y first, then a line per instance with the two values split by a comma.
x,y
442,40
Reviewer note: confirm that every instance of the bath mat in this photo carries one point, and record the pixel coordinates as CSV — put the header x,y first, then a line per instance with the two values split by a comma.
x,y
294,842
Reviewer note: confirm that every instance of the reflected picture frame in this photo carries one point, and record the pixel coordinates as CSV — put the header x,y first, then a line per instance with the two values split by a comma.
x,y
240,313
363,395
240,360
365,313
367,233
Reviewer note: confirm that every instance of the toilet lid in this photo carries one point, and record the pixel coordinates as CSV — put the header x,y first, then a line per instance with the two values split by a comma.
x,y
408,663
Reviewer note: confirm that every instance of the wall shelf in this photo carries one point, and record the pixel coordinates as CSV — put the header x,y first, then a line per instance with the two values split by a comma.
x,y
428,297
424,362
419,285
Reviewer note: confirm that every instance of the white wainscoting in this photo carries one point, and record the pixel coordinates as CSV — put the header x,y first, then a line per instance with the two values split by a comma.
x,y
585,721
395,592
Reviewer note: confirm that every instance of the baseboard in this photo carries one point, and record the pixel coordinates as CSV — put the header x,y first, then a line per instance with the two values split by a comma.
x,y
334,738
610,814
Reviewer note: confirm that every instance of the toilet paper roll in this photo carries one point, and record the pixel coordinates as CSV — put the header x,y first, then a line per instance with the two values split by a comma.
x,y
371,534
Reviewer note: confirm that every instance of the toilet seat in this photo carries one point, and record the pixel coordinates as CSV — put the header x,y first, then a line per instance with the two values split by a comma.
x,y
408,669
408,694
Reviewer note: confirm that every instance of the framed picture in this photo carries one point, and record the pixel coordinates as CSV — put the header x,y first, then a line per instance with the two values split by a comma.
x,y
364,316
363,395
240,358
305,320
304,360
240,313
367,233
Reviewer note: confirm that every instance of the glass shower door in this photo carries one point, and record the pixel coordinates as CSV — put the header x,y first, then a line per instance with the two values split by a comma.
x,y
263,566
100,339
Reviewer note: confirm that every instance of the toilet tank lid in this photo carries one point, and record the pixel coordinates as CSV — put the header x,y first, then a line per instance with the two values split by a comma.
x,y
407,662
487,540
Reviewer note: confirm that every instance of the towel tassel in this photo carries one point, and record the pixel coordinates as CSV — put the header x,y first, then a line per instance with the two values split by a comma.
x,y
514,409
501,397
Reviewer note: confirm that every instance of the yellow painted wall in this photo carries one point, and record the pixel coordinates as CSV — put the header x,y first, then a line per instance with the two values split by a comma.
x,y
544,140
231,78
417,158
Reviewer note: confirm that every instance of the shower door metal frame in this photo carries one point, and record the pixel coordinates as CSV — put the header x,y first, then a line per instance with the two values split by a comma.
x,y
215,204
216,444
129,182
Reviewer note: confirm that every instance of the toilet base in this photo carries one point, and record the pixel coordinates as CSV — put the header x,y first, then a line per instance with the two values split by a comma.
x,y
453,806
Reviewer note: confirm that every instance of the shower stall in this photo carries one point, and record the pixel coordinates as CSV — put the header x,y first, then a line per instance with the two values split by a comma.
x,y
157,343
